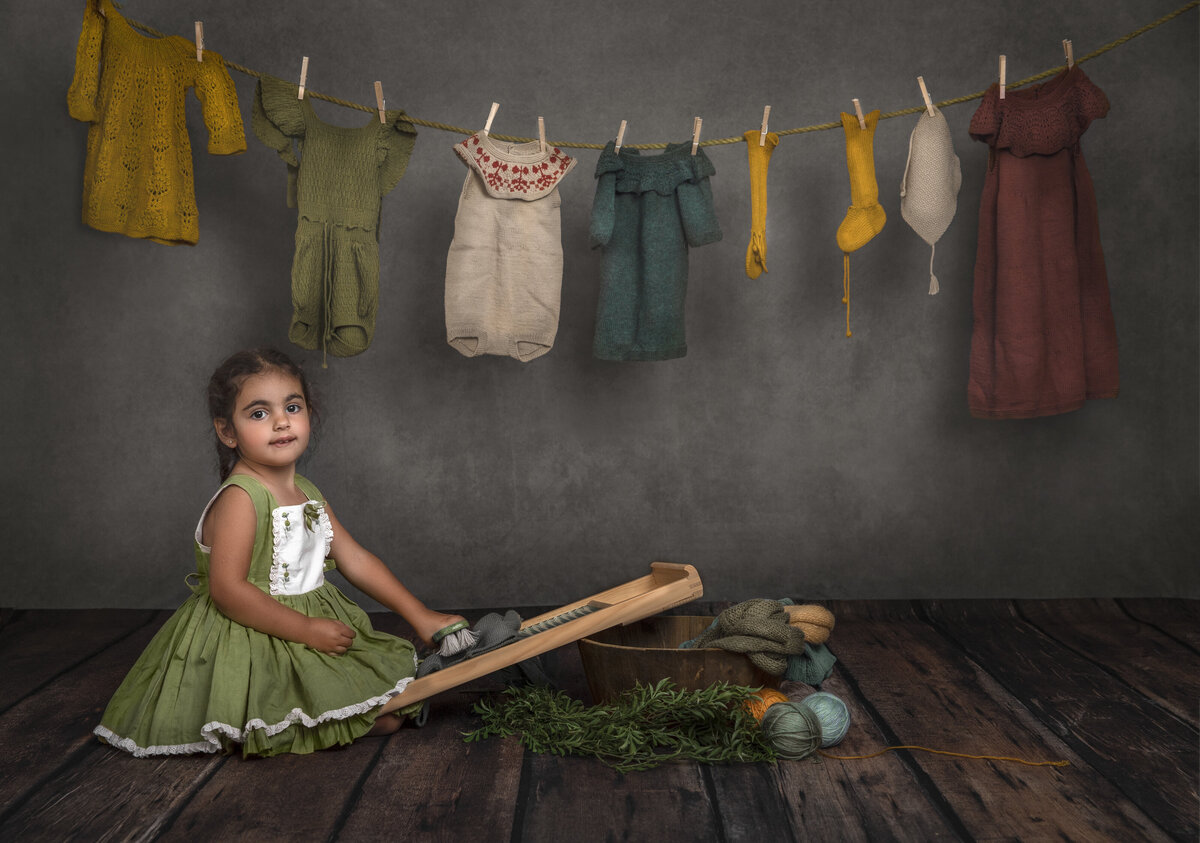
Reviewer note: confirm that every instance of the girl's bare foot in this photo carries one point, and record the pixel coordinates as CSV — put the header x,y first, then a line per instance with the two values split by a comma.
x,y
385,724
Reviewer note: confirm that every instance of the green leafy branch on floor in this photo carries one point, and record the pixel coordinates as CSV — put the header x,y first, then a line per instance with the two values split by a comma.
x,y
642,728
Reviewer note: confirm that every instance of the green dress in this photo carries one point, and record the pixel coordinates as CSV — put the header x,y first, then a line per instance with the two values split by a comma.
x,y
206,683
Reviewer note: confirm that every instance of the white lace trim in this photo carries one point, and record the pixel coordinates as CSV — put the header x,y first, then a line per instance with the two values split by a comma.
x,y
278,533
209,731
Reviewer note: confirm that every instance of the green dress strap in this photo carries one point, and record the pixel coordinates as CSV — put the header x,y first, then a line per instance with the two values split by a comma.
x,y
314,494
264,539
306,486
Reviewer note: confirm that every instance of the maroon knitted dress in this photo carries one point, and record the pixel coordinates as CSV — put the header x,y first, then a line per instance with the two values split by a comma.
x,y
1044,339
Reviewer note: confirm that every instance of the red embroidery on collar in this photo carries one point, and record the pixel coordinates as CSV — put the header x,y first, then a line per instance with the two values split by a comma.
x,y
510,177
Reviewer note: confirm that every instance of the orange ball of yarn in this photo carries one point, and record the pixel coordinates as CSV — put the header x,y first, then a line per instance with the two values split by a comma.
x,y
758,702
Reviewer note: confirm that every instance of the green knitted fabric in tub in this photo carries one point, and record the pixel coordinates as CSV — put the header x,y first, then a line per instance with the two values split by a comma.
x,y
758,629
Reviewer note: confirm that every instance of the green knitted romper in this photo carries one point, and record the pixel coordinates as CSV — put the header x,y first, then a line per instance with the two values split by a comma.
x,y
338,181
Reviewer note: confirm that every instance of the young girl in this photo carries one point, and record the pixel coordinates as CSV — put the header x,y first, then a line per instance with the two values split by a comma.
x,y
266,653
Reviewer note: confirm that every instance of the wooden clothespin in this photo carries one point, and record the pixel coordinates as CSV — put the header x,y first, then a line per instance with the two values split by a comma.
x,y
862,124
199,40
487,127
303,78
379,100
1069,52
762,133
925,95
696,134
542,134
620,136
1003,70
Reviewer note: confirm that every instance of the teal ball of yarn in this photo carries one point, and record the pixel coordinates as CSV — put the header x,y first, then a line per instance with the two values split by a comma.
x,y
792,730
833,715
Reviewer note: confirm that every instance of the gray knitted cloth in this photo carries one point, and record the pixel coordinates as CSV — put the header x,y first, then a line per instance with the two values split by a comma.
x,y
494,630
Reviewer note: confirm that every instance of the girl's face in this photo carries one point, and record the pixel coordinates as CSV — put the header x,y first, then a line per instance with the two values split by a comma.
x,y
270,422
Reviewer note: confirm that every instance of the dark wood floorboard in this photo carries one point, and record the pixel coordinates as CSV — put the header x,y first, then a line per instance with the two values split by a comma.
x,y
875,799
50,725
1110,725
1109,685
433,785
37,646
1178,618
1139,656
929,695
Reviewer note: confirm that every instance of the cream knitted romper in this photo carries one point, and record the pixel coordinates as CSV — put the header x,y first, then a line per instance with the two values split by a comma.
x,y
504,270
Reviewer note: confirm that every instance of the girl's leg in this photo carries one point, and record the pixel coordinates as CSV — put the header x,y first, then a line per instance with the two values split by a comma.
x,y
385,724
386,712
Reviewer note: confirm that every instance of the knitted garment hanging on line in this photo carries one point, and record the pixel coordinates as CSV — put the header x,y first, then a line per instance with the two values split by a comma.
x,y
338,187
760,157
865,216
1044,340
932,178
504,268
647,211
137,179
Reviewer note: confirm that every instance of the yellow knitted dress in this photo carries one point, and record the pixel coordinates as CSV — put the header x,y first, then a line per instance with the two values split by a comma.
x,y
132,89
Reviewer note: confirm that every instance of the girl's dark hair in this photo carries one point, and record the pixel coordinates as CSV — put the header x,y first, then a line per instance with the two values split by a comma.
x,y
225,382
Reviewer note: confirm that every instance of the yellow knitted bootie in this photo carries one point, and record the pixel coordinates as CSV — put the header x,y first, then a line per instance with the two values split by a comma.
x,y
865,216
760,157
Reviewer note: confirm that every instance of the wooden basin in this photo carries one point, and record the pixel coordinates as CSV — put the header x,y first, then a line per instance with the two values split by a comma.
x,y
646,651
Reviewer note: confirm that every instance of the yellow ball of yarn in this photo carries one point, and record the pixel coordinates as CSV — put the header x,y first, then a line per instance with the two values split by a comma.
x,y
758,703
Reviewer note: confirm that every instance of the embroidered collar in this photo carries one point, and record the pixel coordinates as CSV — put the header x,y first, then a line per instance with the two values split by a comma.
x,y
515,171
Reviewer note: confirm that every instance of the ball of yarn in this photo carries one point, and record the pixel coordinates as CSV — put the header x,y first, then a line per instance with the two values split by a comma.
x,y
816,622
792,730
758,703
833,715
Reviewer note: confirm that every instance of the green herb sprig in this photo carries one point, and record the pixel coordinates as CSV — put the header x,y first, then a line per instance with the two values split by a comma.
x,y
642,728
312,517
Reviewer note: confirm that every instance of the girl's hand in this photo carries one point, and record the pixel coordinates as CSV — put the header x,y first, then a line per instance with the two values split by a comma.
x,y
329,636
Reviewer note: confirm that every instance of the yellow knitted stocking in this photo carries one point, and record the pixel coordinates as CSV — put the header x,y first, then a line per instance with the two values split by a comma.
x,y
760,157
865,217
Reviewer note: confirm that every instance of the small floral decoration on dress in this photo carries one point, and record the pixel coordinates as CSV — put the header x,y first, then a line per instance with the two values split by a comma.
x,y
312,516
505,177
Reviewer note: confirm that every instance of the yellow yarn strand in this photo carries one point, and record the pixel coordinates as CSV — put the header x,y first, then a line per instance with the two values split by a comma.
x,y
846,289
952,754
819,127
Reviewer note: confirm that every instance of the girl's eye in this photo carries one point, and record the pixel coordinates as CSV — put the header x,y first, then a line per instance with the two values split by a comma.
x,y
295,408
258,415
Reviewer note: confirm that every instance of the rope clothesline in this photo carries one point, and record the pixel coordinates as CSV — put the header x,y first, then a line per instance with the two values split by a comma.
x,y
819,127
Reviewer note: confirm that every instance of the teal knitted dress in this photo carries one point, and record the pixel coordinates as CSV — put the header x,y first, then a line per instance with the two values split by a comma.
x,y
338,181
205,683
647,211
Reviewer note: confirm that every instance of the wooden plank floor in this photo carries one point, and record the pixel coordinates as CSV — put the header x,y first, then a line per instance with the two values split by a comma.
x,y
1112,686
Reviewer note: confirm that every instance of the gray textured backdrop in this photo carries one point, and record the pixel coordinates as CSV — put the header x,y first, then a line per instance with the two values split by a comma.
x,y
778,456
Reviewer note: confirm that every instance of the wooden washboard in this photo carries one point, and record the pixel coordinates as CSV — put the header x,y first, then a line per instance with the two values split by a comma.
x,y
666,586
